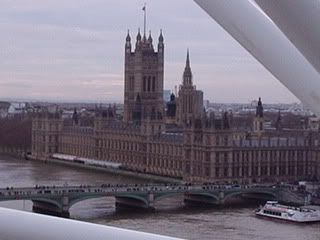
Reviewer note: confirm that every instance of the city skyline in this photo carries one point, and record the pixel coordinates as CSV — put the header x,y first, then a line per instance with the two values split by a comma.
x,y
47,57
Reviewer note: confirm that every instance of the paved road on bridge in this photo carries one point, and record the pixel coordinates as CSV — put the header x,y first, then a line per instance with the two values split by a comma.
x,y
111,190
59,199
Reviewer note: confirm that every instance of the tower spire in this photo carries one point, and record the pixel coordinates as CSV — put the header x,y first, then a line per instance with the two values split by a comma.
x,y
259,109
187,74
188,60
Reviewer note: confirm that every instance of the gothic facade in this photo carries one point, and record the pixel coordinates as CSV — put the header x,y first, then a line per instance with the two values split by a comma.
x,y
143,79
182,141
190,100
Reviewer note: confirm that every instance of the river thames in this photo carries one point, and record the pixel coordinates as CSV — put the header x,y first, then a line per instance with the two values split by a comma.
x,y
171,217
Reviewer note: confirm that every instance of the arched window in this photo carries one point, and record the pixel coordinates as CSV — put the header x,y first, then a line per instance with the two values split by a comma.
x,y
144,84
131,83
153,84
149,84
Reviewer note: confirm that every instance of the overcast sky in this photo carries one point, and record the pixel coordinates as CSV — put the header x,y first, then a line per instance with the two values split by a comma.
x,y
73,50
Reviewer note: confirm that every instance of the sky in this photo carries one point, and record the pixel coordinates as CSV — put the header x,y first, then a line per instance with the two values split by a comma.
x,y
73,51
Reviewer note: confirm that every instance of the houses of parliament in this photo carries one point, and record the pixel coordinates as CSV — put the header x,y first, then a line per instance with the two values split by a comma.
x,y
177,138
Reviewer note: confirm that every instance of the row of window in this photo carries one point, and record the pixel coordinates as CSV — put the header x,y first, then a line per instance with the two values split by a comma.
x,y
166,163
132,146
226,170
120,145
42,138
166,149
41,125
83,151
77,140
272,212
273,154
218,141
149,83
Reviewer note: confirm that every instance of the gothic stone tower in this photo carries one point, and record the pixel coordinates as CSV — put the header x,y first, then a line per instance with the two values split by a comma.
x,y
190,100
143,90
258,120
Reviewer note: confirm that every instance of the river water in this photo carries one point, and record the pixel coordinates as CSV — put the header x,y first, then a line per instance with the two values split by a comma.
x,y
171,217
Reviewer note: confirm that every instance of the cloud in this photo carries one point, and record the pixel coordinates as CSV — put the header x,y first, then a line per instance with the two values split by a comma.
x,y
74,50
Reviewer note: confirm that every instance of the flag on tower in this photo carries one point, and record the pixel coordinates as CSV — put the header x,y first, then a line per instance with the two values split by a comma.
x,y
145,20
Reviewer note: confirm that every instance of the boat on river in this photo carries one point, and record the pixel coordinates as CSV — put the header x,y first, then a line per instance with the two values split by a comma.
x,y
274,210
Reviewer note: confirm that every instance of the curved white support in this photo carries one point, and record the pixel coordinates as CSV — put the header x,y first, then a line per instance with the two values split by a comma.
x,y
260,36
299,20
30,226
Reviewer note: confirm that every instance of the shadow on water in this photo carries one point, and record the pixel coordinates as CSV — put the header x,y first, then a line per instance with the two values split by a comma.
x,y
104,208
234,221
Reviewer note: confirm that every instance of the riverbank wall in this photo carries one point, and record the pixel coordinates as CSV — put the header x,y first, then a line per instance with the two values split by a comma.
x,y
13,151
115,171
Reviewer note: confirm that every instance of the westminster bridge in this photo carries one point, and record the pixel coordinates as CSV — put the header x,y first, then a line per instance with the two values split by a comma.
x,y
57,200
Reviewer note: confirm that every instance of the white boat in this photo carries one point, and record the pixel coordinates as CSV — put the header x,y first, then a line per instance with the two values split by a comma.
x,y
273,209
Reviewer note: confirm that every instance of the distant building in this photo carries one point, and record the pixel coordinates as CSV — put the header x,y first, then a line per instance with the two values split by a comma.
x,y
190,100
206,104
314,124
258,123
183,141
4,109
166,95
143,79
16,108
171,110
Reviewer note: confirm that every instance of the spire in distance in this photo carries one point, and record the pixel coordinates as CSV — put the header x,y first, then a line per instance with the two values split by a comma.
x,y
187,74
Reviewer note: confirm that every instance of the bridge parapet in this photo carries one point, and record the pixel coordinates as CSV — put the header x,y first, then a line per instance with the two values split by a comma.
x,y
59,199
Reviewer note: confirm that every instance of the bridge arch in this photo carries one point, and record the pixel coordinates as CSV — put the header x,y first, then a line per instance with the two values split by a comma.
x,y
211,198
50,206
73,201
265,193
140,198
133,201
50,201
213,195
159,197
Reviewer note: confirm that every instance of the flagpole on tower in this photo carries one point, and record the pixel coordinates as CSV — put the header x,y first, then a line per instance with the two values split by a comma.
x,y
145,19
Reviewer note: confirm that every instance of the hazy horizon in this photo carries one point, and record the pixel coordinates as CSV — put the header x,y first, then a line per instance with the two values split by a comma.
x,y
121,102
74,52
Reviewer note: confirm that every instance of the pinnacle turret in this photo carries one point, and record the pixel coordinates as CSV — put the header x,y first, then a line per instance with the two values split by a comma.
x,y
188,60
259,110
128,43
150,38
128,38
138,36
161,37
187,74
